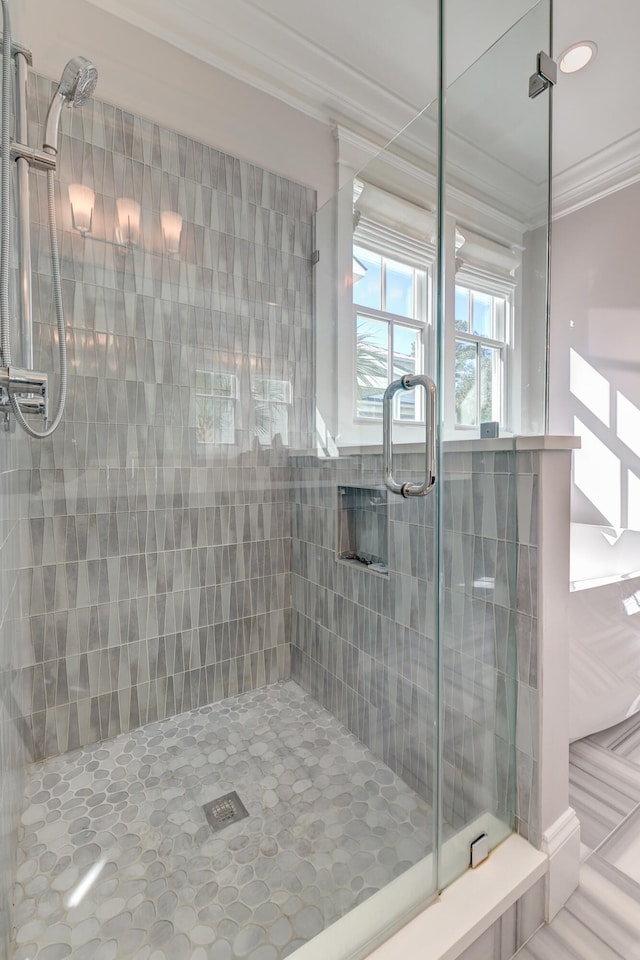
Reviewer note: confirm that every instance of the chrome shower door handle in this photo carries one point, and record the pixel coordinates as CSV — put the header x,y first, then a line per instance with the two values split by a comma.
x,y
408,382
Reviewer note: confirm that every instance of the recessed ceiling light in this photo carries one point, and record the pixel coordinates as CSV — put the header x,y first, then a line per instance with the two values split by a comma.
x,y
577,56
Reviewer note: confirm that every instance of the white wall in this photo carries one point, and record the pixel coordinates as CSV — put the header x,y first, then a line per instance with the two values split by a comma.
x,y
595,354
528,389
156,80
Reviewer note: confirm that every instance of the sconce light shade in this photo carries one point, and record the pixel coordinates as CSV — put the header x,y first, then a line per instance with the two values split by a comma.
x,y
81,199
128,229
171,231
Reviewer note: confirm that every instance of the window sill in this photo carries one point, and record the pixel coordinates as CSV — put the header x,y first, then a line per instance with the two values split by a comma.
x,y
539,442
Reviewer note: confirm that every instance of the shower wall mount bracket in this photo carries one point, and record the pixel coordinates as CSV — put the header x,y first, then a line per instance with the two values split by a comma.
x,y
39,159
29,387
20,48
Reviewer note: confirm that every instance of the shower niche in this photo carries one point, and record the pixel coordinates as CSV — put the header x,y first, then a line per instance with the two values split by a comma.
x,y
363,528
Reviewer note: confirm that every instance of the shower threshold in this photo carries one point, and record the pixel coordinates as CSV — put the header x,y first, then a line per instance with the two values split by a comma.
x,y
116,858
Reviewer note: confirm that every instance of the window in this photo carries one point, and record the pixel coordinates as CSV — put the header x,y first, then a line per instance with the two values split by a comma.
x,y
482,323
390,303
271,399
215,407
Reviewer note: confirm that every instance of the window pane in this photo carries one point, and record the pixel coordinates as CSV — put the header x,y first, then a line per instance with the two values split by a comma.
x,y
490,383
215,420
462,309
223,384
280,422
215,384
368,290
481,314
267,389
407,358
203,382
280,390
271,420
372,365
466,382
398,289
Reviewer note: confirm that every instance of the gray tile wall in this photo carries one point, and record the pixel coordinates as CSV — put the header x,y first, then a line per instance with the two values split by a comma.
x,y
527,734
358,637
157,575
159,566
14,474
478,635
364,644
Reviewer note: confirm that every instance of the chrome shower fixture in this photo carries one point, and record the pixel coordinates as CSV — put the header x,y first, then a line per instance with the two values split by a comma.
x,y
76,87
22,389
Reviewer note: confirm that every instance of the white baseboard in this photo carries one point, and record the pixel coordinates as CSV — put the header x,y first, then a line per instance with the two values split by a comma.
x,y
561,844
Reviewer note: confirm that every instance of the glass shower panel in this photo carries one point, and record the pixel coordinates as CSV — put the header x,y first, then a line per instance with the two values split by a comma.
x,y
364,638
493,347
497,151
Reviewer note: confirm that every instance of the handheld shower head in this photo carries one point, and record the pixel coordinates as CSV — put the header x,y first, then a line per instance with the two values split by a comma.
x,y
76,86
78,81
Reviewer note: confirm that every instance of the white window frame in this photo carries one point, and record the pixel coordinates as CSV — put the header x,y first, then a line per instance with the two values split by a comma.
x,y
385,241
484,281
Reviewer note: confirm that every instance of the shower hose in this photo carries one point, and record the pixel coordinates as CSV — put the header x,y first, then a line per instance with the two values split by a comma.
x,y
5,214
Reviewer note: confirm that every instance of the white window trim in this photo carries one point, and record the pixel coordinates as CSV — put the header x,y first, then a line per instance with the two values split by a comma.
x,y
388,242
485,281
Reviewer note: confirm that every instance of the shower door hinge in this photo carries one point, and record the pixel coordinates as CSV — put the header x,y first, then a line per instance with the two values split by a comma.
x,y
479,850
315,256
546,75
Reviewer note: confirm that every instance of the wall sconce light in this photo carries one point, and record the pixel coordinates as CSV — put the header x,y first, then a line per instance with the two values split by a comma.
x,y
171,231
81,199
128,229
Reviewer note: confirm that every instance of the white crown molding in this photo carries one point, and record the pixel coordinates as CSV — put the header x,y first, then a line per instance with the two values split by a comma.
x,y
252,45
255,47
356,151
266,53
605,172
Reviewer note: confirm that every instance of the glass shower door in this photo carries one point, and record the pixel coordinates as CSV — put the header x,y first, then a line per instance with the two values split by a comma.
x,y
365,590
365,625
430,301
494,248
436,575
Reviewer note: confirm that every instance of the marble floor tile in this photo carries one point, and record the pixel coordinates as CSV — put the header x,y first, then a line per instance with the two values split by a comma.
x,y
622,848
623,739
603,789
116,858
601,921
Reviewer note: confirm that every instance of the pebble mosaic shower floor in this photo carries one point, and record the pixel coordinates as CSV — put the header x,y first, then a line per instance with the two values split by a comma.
x,y
116,858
